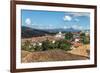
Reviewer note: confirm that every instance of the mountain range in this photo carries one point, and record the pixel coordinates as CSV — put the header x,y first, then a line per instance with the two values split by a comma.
x,y
27,32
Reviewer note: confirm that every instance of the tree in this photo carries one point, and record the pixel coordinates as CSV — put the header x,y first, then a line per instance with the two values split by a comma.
x,y
26,45
68,36
63,44
45,45
84,38
82,35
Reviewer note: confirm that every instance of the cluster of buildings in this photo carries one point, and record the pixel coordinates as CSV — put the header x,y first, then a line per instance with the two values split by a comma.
x,y
76,40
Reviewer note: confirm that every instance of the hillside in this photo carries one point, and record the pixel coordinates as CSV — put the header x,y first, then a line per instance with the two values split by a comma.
x,y
28,32
50,55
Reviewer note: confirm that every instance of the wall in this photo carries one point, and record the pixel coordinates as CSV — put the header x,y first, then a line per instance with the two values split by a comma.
x,y
5,36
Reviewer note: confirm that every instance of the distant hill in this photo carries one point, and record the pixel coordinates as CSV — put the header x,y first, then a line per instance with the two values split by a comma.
x,y
28,32
62,30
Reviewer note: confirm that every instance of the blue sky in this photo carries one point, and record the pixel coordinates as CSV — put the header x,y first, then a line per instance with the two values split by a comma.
x,y
52,19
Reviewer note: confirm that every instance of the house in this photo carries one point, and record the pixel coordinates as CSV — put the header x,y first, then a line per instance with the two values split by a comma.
x,y
77,39
76,34
60,35
87,33
77,44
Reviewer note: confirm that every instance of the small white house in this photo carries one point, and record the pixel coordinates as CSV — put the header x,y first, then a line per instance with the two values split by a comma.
x,y
59,35
87,33
77,39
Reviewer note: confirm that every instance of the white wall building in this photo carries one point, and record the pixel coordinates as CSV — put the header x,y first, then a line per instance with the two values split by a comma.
x,y
59,35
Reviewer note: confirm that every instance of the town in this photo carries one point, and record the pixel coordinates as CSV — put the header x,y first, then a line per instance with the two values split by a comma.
x,y
77,43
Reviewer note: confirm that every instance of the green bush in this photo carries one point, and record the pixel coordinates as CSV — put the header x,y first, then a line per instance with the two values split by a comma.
x,y
46,45
38,48
26,45
63,44
84,38
68,36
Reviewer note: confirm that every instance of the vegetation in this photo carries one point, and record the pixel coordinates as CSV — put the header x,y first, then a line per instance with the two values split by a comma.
x,y
84,38
68,36
26,45
47,45
64,44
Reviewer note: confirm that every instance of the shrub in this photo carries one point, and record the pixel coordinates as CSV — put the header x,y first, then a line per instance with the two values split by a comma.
x,y
38,48
84,38
46,45
26,45
68,36
63,44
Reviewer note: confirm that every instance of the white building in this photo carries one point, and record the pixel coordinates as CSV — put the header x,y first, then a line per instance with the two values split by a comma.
x,y
87,33
59,35
77,39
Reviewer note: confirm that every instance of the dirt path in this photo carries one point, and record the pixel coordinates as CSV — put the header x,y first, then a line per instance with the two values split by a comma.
x,y
51,55
81,50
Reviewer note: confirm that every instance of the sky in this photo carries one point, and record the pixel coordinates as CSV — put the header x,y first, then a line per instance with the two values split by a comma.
x,y
40,19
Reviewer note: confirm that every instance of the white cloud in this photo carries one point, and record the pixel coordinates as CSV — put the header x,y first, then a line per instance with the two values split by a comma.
x,y
77,27
74,26
33,24
67,18
77,20
50,25
28,21
78,14
65,27
80,27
